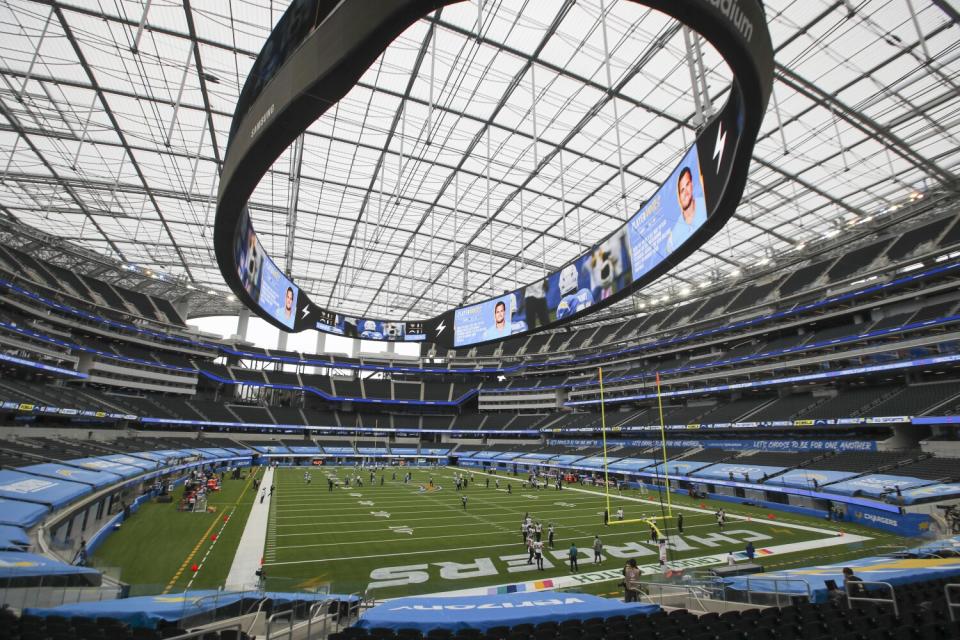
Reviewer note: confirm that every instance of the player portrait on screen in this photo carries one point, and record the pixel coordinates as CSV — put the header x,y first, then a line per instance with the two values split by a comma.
x,y
288,304
499,328
693,210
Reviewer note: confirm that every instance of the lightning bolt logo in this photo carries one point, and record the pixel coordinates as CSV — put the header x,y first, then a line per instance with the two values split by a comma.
x,y
719,146
306,310
441,327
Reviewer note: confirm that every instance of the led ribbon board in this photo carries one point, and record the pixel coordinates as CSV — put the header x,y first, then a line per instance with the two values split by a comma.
x,y
318,52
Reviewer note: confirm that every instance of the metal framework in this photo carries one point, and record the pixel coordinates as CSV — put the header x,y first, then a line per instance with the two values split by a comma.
x,y
491,143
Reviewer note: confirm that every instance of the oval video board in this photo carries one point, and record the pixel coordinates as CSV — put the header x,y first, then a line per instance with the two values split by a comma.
x,y
319,50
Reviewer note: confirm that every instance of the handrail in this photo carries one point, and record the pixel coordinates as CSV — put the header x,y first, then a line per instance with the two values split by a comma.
x,y
288,615
202,632
351,608
686,590
860,585
315,608
951,605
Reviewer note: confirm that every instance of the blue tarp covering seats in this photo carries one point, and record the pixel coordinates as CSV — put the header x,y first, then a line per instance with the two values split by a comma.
x,y
13,538
216,453
338,451
146,612
54,493
678,467
20,569
930,492
722,472
21,514
314,449
83,476
876,569
101,464
132,461
173,454
484,612
804,478
273,449
876,484
595,462
149,456
631,464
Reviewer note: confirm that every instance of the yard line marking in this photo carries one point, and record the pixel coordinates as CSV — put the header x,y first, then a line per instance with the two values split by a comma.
x,y
833,540
512,520
321,513
456,536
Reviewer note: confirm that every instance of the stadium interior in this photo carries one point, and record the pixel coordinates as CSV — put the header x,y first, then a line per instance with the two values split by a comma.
x,y
793,384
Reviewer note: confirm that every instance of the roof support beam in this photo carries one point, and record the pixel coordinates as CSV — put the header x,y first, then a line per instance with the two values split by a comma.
x,y
119,131
56,176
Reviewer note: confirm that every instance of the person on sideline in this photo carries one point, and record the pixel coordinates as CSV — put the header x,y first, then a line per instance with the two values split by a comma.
x,y
573,553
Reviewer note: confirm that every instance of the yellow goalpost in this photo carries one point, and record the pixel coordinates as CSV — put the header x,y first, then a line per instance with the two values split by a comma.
x,y
648,520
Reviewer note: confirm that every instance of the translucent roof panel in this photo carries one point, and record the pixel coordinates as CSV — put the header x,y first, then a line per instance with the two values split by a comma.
x,y
489,144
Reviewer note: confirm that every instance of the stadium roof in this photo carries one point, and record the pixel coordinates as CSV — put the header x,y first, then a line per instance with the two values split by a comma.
x,y
504,137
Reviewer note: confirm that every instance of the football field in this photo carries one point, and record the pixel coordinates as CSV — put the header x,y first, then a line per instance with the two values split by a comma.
x,y
401,538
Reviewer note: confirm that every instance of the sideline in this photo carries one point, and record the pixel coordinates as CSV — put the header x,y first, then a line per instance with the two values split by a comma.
x,y
206,535
250,550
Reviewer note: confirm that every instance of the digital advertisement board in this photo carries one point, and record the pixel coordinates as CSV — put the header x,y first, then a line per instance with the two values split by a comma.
x,y
489,320
671,217
367,328
667,220
261,278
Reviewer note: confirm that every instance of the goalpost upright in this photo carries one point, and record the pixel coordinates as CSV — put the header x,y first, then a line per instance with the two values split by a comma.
x,y
606,472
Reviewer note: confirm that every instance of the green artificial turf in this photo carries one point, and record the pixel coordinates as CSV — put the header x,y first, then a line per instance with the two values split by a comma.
x,y
151,547
338,540
317,537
